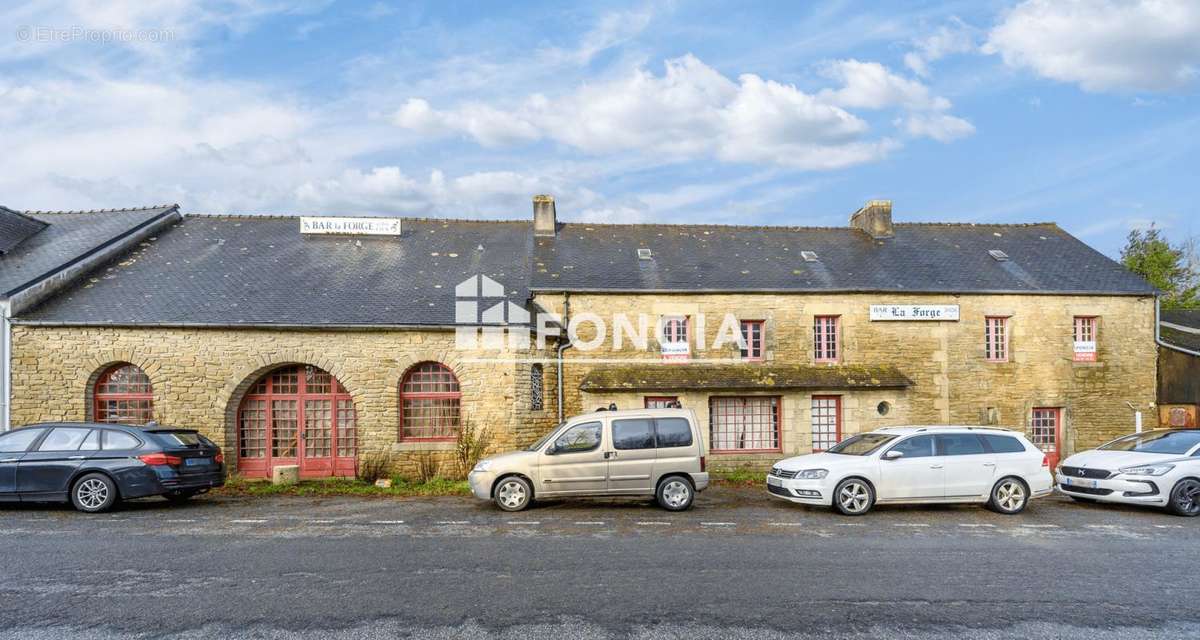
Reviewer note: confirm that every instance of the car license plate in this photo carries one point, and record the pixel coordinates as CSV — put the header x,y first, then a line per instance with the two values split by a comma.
x,y
197,462
1067,481
774,482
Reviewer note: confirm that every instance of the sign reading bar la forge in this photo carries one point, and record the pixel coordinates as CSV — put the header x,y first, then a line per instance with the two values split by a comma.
x,y
947,312
351,226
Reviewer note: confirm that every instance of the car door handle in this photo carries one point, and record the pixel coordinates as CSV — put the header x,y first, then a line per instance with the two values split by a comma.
x,y
609,455
9,459
935,466
989,464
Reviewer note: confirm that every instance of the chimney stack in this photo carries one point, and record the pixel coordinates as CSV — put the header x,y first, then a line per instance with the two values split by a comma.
x,y
875,219
545,221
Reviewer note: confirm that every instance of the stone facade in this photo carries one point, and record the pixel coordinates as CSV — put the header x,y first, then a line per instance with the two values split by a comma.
x,y
199,377
953,382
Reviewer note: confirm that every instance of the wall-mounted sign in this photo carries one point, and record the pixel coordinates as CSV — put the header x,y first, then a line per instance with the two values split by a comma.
x,y
675,350
1085,351
351,226
914,312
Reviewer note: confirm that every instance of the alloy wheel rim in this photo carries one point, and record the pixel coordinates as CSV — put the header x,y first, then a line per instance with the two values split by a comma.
x,y
1011,496
92,493
1187,496
512,494
675,494
854,497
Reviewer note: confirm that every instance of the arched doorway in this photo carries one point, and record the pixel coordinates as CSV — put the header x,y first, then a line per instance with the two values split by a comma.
x,y
122,394
297,415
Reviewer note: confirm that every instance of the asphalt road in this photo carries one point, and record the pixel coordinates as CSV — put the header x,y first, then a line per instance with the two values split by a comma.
x,y
737,566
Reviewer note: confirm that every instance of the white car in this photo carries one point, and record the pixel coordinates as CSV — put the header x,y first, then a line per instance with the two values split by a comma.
x,y
996,467
1159,468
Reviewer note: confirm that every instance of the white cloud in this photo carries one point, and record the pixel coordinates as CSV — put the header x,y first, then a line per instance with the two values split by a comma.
x,y
1103,45
694,110
955,37
939,126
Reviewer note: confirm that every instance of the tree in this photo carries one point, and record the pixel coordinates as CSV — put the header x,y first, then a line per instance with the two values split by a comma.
x,y
1171,269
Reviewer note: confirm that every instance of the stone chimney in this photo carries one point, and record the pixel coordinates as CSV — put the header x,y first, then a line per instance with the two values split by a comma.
x,y
875,219
545,221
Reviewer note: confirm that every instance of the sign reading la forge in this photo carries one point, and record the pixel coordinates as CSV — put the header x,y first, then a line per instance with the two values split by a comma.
x,y
935,312
351,226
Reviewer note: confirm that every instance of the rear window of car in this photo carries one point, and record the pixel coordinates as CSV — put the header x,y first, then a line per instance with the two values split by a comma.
x,y
19,441
119,440
1168,442
637,433
673,432
1003,444
958,444
179,438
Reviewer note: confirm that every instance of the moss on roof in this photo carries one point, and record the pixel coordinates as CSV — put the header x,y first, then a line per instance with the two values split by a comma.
x,y
656,376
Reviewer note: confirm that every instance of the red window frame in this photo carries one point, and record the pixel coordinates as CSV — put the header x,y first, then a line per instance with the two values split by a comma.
x,y
822,406
995,338
1086,329
827,338
752,335
430,403
659,402
766,411
676,329
1045,431
124,390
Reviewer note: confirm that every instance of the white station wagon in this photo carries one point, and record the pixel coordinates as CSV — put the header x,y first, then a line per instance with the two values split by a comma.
x,y
996,467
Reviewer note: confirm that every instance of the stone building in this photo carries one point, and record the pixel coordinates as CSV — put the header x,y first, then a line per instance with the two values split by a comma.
x,y
320,349
1179,368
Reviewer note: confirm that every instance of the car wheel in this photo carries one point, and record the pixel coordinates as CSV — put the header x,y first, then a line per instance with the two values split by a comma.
x,y
853,497
675,494
1185,498
1009,496
513,493
179,496
94,493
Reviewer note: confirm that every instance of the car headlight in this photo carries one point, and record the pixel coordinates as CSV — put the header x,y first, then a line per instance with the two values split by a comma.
x,y
812,474
482,465
1148,470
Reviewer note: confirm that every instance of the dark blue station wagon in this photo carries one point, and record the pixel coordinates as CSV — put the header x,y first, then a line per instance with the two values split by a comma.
x,y
94,465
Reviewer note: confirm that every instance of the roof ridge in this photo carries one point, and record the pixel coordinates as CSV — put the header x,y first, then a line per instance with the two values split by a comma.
x,y
292,216
85,211
976,224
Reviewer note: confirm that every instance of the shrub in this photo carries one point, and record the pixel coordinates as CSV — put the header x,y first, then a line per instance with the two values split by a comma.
x,y
376,465
428,466
470,446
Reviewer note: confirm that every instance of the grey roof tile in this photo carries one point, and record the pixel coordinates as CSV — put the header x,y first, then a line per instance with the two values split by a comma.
x,y
15,228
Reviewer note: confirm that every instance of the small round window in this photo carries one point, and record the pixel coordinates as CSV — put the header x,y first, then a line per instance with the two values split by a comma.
x,y
883,408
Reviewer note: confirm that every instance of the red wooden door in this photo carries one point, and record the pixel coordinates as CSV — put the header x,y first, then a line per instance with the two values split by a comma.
x,y
1046,432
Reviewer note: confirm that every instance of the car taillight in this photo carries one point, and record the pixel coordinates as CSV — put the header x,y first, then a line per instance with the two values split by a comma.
x,y
1046,461
702,463
219,458
155,459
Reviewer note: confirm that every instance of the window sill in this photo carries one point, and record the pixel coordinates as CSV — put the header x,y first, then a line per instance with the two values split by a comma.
x,y
424,445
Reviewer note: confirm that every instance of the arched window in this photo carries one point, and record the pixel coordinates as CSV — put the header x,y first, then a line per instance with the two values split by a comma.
x,y
536,387
430,402
297,415
123,395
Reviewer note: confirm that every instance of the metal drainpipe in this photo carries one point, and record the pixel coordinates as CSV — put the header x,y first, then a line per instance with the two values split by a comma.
x,y
563,346
1158,330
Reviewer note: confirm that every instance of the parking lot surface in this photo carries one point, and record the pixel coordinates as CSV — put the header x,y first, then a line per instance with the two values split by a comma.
x,y
738,565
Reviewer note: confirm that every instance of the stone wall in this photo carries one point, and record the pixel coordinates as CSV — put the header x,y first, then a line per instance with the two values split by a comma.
x,y
953,383
199,377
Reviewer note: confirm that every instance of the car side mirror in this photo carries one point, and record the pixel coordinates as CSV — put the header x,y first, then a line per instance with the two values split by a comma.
x,y
893,455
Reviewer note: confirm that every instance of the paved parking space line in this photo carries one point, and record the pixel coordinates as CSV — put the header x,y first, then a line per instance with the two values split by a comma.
x,y
594,523
977,526
247,521
322,521
445,522
180,520
651,523
786,524
387,522
524,523
909,524
1168,526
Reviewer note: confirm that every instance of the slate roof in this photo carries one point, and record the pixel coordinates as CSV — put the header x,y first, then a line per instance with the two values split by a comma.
x,y
1173,324
259,270
941,258
66,237
669,377
15,228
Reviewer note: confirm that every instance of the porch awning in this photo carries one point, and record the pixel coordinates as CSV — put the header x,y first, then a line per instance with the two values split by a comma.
x,y
657,376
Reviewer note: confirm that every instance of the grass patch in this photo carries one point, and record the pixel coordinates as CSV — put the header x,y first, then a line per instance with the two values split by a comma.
x,y
740,477
401,487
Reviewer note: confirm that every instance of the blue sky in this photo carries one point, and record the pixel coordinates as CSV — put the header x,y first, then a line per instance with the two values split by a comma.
x,y
1082,113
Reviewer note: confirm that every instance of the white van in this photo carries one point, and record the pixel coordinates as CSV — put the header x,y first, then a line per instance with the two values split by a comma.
x,y
644,452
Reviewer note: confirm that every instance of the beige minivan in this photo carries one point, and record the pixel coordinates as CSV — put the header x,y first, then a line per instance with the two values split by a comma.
x,y
644,452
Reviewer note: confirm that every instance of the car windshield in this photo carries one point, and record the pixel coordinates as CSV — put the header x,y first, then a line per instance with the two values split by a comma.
x,y
862,445
1168,442
546,438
